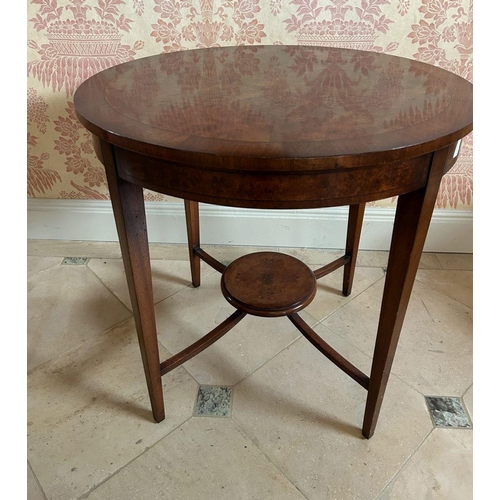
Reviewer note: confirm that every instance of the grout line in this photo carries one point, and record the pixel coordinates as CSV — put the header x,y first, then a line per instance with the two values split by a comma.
x,y
352,297
183,367
37,481
345,339
467,413
452,268
269,459
431,287
438,261
43,270
96,486
155,303
270,359
458,269
465,392
107,288
403,465
428,312
107,331
164,298
393,374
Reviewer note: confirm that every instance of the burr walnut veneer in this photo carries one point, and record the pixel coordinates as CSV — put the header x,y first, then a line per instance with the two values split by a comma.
x,y
281,127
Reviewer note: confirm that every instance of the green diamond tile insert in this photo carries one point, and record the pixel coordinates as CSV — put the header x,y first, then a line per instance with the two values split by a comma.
x,y
447,412
214,401
75,261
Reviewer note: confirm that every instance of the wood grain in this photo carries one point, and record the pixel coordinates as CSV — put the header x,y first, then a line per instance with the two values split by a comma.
x,y
280,127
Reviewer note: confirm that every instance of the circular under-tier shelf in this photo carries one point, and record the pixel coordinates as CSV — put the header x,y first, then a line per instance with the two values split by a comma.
x,y
268,284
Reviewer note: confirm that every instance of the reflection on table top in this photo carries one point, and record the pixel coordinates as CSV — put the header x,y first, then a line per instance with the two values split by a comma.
x,y
277,101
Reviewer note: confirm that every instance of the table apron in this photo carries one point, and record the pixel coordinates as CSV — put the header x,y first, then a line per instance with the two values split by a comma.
x,y
254,189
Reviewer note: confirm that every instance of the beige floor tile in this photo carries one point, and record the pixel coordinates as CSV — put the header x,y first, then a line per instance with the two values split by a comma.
x,y
449,314
429,261
36,265
454,284
441,469
296,418
63,248
89,412
366,258
101,249
188,315
34,491
169,277
66,306
204,458
223,253
372,258
329,296
306,415
313,256
434,354
163,251
462,261
228,253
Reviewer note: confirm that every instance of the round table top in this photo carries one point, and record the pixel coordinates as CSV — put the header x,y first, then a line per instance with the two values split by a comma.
x,y
219,106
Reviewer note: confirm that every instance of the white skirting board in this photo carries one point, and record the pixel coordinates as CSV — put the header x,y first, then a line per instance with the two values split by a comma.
x,y
92,220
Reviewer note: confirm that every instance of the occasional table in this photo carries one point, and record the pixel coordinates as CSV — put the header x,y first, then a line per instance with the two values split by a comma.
x,y
276,127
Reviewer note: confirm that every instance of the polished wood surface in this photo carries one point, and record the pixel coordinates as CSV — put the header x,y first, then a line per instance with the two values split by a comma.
x,y
128,207
276,127
268,284
334,356
192,211
229,122
276,102
200,345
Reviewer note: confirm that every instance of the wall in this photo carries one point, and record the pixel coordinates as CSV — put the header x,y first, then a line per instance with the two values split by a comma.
x,y
70,40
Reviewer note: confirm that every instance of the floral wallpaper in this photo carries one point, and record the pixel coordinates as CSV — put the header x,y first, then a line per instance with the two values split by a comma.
x,y
70,40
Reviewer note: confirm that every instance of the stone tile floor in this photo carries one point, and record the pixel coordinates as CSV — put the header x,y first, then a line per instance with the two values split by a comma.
x,y
260,414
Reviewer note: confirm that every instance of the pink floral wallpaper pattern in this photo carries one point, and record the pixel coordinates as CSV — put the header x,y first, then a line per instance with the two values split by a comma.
x,y
70,40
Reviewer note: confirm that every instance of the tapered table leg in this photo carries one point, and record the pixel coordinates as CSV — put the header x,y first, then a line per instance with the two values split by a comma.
x,y
413,216
193,232
130,217
354,225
